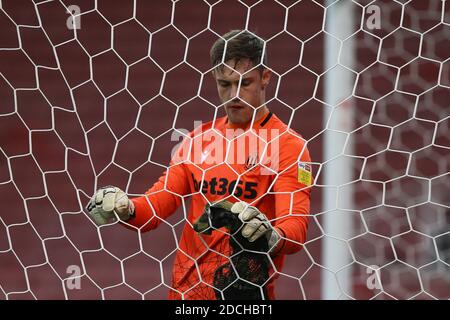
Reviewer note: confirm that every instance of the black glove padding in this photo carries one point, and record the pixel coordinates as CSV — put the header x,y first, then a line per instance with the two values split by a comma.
x,y
249,259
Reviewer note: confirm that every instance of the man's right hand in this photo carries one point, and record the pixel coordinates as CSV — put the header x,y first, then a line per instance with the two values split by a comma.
x,y
106,202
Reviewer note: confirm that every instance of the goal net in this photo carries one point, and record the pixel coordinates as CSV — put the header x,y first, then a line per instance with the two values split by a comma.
x,y
97,92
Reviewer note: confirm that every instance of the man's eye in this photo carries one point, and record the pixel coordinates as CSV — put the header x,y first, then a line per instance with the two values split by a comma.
x,y
224,84
245,83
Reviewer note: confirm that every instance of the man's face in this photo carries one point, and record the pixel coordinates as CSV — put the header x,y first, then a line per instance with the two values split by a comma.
x,y
241,95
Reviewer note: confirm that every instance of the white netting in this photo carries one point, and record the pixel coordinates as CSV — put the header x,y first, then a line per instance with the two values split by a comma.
x,y
97,105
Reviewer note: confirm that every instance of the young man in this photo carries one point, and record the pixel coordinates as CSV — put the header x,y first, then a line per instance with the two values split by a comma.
x,y
249,157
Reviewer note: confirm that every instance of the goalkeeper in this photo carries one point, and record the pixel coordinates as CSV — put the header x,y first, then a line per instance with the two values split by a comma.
x,y
272,208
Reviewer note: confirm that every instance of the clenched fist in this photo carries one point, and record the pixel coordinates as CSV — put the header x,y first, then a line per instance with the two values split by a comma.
x,y
107,202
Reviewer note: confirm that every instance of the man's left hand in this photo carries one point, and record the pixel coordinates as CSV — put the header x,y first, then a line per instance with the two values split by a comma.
x,y
256,224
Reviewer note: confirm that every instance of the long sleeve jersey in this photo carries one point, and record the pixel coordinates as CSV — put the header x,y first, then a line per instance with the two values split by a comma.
x,y
267,166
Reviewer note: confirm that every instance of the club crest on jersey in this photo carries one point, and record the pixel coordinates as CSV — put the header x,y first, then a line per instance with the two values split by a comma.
x,y
251,162
304,173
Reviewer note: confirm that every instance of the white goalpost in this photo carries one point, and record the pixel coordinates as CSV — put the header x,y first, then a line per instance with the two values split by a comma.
x,y
337,170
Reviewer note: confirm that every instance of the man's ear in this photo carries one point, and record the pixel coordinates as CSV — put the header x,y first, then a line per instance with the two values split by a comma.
x,y
265,78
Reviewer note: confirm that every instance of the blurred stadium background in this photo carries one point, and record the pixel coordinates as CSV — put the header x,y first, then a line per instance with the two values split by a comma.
x,y
97,106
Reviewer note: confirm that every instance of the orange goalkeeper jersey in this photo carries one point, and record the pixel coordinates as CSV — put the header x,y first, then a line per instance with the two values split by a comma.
x,y
267,166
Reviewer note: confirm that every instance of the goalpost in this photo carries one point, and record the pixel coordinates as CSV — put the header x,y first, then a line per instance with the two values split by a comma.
x,y
337,167
95,94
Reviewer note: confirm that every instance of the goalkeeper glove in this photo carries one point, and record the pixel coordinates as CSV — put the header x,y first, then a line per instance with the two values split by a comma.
x,y
107,202
256,224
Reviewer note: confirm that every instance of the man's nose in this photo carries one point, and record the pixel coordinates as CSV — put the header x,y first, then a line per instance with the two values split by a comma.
x,y
234,92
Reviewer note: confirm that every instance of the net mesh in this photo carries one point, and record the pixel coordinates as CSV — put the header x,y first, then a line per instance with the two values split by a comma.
x,y
92,93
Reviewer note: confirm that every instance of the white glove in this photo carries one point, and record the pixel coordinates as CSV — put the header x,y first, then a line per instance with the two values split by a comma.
x,y
256,224
107,202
